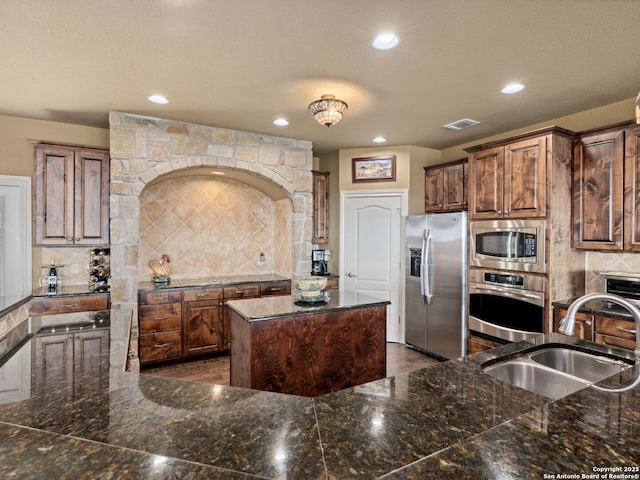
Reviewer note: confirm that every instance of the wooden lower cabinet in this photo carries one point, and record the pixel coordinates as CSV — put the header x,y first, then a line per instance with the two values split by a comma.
x,y
600,328
477,344
584,326
69,304
202,329
179,323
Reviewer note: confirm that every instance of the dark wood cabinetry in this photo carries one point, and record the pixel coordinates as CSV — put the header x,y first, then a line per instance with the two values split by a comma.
x,y
477,344
71,196
509,181
160,322
606,196
69,303
320,207
600,328
177,323
584,326
78,360
445,187
202,329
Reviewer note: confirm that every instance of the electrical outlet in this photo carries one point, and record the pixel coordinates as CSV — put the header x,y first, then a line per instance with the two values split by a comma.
x,y
261,259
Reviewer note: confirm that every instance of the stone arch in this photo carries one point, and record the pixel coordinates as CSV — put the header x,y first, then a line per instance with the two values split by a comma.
x,y
144,149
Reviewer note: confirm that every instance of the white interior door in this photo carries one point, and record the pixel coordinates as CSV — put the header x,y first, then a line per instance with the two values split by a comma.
x,y
370,260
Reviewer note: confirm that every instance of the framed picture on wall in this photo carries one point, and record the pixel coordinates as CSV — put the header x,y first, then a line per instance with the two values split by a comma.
x,y
374,169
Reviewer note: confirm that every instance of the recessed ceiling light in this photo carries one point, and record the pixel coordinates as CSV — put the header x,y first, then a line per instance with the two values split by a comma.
x,y
379,140
385,41
281,122
513,88
159,99
216,172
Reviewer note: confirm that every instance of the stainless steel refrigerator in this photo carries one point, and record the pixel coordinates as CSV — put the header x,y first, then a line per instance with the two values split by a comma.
x,y
436,283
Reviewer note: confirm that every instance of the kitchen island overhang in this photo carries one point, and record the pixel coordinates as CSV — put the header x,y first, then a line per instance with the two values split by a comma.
x,y
309,350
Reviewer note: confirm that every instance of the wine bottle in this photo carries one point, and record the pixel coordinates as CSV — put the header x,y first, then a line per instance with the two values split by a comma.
x,y
53,277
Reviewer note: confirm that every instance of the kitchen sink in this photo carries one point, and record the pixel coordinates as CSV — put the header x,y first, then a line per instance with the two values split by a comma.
x,y
554,370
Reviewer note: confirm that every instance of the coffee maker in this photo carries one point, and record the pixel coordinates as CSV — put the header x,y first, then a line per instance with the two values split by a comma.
x,y
320,261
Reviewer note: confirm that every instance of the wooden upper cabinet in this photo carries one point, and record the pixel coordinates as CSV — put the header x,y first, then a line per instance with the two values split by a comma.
x,y
486,180
320,207
525,177
509,181
71,196
632,190
598,188
445,187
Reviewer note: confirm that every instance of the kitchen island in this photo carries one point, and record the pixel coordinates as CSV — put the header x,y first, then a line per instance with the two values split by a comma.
x,y
447,421
281,344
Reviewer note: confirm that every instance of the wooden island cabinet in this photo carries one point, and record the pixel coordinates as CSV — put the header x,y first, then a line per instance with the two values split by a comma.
x,y
282,346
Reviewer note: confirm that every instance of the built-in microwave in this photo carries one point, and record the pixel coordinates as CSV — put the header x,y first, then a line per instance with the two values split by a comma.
x,y
508,245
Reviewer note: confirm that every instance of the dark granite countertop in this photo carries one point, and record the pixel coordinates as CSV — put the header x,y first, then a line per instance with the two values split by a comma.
x,y
217,281
267,308
447,421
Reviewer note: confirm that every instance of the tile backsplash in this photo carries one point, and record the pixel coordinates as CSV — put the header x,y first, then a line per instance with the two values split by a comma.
x,y
597,262
212,226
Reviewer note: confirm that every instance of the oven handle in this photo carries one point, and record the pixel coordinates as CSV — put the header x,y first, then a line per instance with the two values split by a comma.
x,y
536,298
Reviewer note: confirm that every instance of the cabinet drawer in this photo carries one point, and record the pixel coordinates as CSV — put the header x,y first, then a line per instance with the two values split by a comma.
x,y
616,327
241,291
64,304
333,284
275,288
615,341
160,346
163,296
200,294
158,318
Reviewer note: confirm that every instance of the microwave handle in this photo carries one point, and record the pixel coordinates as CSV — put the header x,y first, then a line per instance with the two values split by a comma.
x,y
425,272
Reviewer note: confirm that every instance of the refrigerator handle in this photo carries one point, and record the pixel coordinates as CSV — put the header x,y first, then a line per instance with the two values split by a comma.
x,y
426,287
422,253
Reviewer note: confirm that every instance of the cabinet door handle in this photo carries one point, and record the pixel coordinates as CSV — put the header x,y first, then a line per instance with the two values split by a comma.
x,y
160,345
587,323
160,318
69,305
627,330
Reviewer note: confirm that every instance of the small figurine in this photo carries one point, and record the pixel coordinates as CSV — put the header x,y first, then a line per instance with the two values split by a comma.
x,y
161,269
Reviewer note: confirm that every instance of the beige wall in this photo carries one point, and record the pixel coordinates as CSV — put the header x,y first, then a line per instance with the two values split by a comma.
x,y
16,158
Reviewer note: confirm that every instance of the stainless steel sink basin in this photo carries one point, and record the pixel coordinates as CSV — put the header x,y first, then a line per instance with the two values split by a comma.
x,y
554,371
543,381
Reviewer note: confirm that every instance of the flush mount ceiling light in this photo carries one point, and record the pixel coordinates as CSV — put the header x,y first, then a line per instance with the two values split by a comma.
x,y
328,110
379,140
385,41
281,122
513,88
159,99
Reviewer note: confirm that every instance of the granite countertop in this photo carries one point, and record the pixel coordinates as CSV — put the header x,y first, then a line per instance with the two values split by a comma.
x,y
266,308
216,281
447,421
66,290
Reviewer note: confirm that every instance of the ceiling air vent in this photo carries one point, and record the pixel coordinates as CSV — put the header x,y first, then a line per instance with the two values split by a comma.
x,y
460,124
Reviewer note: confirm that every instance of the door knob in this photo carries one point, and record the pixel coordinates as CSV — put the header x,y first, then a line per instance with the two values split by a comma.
x,y
350,275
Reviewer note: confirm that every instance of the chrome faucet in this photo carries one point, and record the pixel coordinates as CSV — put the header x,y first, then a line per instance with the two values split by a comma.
x,y
568,322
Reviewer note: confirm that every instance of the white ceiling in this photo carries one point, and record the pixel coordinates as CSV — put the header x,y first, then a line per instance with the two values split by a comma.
x,y
241,63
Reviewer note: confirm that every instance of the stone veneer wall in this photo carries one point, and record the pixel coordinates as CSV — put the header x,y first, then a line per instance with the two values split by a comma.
x,y
144,148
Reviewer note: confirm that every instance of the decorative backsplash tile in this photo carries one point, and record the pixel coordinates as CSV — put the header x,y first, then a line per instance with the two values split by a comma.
x,y
597,262
212,226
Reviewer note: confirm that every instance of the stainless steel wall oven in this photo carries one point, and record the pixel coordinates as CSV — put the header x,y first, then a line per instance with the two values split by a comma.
x,y
506,306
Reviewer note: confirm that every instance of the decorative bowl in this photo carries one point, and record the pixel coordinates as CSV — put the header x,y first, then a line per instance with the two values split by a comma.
x,y
310,288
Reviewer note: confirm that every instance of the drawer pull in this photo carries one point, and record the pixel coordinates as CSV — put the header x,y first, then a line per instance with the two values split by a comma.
x,y
70,305
240,292
276,289
627,330
161,318
161,345
202,295
158,297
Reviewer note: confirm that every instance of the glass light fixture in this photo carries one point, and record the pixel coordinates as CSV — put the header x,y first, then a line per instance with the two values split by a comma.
x,y
328,110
